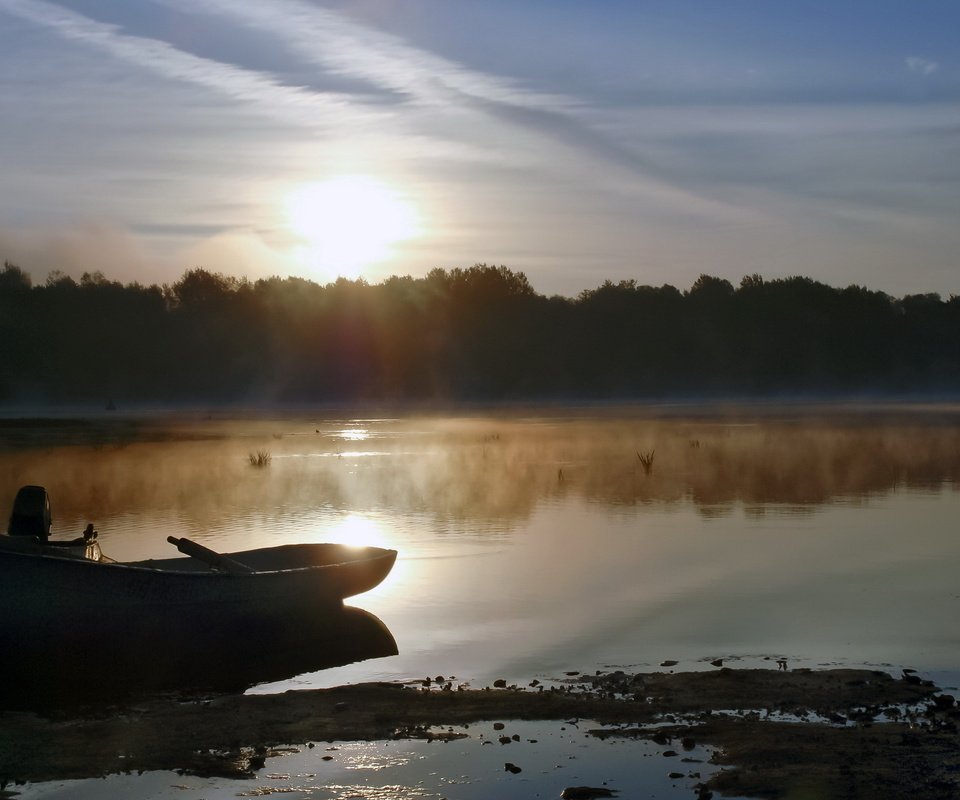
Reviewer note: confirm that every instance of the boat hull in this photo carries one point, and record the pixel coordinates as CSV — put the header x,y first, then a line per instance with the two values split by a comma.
x,y
70,596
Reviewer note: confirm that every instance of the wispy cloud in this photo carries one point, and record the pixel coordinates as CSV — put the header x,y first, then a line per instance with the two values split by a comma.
x,y
429,85
323,38
341,46
293,103
920,65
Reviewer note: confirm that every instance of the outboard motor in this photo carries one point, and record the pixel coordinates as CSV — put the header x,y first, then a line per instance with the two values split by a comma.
x,y
31,513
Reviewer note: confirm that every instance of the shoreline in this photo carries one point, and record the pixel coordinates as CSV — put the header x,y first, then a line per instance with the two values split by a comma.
x,y
836,742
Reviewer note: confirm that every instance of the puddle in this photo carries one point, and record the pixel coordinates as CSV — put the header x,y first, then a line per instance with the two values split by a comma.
x,y
511,759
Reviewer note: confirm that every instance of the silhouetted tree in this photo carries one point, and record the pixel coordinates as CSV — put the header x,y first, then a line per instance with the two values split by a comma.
x,y
13,278
480,333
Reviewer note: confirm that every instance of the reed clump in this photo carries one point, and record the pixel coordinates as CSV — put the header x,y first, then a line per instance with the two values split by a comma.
x,y
261,458
646,461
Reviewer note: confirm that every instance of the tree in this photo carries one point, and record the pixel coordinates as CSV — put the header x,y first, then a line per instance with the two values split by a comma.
x,y
199,287
12,277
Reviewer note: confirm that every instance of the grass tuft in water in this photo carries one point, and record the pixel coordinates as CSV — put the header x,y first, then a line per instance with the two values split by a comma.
x,y
646,461
261,458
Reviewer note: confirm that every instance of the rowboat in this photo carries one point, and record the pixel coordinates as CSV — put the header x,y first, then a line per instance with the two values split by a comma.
x,y
70,586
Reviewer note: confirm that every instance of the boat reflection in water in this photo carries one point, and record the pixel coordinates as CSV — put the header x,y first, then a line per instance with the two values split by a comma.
x,y
104,663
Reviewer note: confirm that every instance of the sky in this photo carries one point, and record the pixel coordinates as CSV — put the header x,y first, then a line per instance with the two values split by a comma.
x,y
576,142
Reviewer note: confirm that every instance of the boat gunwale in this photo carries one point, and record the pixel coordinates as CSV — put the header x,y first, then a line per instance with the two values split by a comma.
x,y
141,568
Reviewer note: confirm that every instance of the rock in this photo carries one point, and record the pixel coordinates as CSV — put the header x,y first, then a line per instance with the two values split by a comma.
x,y
512,768
717,662
586,792
669,753
944,701
676,776
505,740
668,663
499,683
498,726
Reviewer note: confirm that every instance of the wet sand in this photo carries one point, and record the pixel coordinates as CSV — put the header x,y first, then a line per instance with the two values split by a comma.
x,y
836,748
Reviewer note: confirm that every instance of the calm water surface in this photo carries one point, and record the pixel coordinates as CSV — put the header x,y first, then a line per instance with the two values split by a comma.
x,y
531,545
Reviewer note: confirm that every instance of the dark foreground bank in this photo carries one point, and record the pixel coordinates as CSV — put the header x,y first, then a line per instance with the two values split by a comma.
x,y
853,733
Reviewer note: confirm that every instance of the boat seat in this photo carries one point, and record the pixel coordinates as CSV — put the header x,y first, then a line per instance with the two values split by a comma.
x,y
31,513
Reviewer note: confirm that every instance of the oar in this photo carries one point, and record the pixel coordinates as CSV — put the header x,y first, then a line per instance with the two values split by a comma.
x,y
209,557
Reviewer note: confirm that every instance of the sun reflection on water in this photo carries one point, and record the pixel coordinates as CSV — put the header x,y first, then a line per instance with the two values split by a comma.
x,y
357,530
368,756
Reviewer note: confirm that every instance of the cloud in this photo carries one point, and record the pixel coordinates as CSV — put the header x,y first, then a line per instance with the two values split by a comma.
x,y
439,93
343,47
431,83
921,66
296,104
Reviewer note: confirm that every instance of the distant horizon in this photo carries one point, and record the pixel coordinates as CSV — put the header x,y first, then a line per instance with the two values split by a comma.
x,y
884,405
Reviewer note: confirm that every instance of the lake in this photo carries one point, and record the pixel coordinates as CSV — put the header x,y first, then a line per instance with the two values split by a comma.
x,y
542,541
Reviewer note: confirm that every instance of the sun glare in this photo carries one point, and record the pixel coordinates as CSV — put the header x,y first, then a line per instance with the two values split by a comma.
x,y
357,531
348,223
354,434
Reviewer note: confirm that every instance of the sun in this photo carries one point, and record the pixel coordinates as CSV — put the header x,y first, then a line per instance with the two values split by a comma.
x,y
347,223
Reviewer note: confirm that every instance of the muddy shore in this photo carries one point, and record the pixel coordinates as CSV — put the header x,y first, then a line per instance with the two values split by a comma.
x,y
849,734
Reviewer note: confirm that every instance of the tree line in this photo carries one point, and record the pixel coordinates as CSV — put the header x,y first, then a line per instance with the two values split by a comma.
x,y
463,335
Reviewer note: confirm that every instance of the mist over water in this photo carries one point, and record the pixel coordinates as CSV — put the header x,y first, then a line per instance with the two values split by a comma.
x,y
537,542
